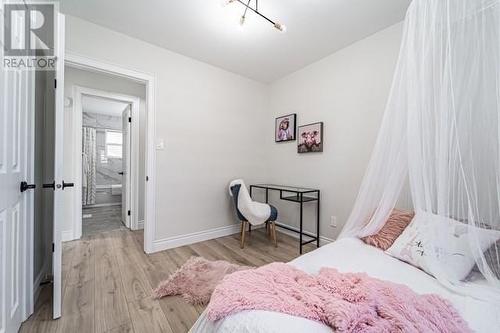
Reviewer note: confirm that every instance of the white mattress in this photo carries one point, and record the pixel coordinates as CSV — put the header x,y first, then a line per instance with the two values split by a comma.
x,y
352,255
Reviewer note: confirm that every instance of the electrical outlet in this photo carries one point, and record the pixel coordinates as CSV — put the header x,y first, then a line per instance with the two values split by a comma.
x,y
333,221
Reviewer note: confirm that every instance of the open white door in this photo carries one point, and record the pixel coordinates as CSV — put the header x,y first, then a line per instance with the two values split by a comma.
x,y
58,168
13,214
126,167
15,137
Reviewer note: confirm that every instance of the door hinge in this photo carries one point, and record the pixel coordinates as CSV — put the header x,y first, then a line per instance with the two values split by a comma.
x,y
128,213
53,247
55,83
129,119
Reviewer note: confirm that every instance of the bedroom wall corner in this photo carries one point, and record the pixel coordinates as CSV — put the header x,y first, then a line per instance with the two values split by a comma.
x,y
347,91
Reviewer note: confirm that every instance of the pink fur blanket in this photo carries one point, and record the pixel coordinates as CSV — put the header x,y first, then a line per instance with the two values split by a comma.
x,y
347,302
196,279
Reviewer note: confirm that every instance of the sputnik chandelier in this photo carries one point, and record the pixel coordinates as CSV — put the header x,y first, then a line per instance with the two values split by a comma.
x,y
248,6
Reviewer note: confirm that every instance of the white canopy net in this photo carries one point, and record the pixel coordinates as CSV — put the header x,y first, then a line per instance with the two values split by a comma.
x,y
441,129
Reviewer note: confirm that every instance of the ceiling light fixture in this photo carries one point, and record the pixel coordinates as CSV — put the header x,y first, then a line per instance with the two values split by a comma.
x,y
277,25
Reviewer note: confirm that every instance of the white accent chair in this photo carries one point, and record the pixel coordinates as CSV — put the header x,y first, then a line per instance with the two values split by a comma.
x,y
251,212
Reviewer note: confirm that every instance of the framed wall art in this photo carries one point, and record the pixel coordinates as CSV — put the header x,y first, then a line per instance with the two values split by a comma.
x,y
285,128
310,138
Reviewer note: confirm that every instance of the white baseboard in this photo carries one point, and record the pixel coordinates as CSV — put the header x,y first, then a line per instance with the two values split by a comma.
x,y
322,239
102,205
325,240
39,278
36,286
140,225
173,242
67,235
177,241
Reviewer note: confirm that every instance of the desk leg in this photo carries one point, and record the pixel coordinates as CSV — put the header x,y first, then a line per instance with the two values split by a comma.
x,y
267,201
300,234
317,224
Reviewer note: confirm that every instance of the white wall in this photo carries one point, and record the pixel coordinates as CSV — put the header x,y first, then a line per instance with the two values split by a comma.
x,y
347,91
75,77
211,121
218,126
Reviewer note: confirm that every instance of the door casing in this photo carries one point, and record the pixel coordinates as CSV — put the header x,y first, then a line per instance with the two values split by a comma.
x,y
59,192
85,63
126,167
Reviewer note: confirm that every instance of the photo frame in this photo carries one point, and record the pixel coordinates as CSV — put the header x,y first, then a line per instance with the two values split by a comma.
x,y
310,138
285,128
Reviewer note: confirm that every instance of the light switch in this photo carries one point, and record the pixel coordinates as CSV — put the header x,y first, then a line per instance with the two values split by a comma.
x,y
160,144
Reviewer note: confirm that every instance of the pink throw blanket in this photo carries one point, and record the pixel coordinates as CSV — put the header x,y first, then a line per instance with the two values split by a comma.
x,y
347,302
196,279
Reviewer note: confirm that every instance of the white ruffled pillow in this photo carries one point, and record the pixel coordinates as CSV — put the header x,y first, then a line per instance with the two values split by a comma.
x,y
438,244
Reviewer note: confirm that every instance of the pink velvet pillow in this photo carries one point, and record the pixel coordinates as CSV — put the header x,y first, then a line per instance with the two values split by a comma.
x,y
397,222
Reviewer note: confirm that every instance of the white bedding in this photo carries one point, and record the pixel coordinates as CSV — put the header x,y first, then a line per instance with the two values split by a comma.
x,y
352,255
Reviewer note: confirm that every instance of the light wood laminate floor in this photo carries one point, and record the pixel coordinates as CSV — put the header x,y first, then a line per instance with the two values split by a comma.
x,y
101,219
108,279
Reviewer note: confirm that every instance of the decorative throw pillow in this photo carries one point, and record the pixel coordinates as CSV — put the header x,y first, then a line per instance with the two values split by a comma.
x,y
397,222
440,245
493,259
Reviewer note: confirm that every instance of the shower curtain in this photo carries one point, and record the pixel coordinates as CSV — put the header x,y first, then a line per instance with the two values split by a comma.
x,y
89,147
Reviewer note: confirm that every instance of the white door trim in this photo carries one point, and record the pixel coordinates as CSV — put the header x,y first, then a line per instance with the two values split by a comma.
x,y
31,288
78,93
127,156
81,62
58,167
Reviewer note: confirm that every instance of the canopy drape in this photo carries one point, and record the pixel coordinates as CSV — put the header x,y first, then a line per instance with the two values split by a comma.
x,y
441,129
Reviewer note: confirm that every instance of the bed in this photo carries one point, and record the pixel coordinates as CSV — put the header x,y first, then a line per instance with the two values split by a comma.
x,y
352,255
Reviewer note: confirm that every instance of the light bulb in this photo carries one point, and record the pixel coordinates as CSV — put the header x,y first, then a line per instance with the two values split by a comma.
x,y
225,2
280,27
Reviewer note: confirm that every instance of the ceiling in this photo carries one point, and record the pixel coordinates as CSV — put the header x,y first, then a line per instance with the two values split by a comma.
x,y
207,31
103,106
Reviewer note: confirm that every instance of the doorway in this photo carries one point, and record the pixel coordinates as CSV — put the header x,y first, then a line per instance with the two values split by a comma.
x,y
144,151
107,161
106,164
147,147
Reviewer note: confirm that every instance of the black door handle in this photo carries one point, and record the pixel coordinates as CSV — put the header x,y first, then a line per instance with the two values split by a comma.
x,y
25,186
64,185
51,185
120,173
